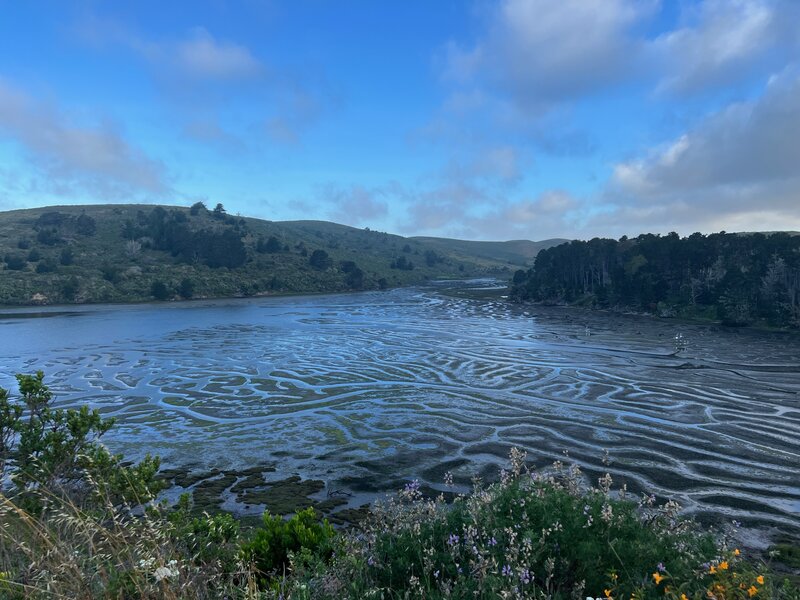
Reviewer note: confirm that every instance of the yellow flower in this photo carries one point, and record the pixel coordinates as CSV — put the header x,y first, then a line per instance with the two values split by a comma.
x,y
760,579
684,597
713,569
724,565
736,552
657,577
607,593
752,591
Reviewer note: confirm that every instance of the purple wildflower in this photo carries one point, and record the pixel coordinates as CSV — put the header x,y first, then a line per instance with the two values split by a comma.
x,y
493,542
506,572
453,539
412,486
661,568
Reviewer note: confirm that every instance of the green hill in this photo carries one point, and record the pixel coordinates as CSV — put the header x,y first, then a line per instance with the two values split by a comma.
x,y
519,253
127,253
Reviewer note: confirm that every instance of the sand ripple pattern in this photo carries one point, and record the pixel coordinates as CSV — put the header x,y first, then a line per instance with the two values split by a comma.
x,y
367,391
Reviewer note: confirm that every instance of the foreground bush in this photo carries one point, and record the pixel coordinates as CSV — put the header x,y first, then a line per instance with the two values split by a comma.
x,y
532,536
78,522
273,543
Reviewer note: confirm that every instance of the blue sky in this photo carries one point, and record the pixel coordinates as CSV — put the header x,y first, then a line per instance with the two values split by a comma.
x,y
481,120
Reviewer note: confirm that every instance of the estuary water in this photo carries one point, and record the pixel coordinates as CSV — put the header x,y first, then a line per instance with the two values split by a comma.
x,y
367,391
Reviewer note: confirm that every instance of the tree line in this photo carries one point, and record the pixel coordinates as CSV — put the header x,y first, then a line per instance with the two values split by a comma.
x,y
738,278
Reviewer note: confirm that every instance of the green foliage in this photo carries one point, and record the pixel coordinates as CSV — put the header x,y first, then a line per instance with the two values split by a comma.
x,y
271,544
159,290
48,453
85,225
206,538
542,536
744,278
70,288
403,264
48,237
15,262
186,288
197,208
133,246
67,256
319,259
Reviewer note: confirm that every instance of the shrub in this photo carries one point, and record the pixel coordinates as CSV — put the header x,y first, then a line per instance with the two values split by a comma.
x,y
319,259
271,544
70,288
159,290
75,526
186,289
67,256
532,535
55,452
15,262
47,266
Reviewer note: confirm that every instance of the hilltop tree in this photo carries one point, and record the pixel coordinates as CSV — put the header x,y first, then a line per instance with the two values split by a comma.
x,y
197,208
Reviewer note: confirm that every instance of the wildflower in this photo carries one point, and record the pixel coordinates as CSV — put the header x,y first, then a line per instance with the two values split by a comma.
x,y
736,552
752,591
724,565
525,576
412,487
168,572
657,577
371,562
506,571
493,542
436,574
684,597
453,539
607,513
607,592
712,570
760,580
661,568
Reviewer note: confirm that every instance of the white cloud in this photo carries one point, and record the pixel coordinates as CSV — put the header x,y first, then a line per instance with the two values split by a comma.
x,y
541,52
721,41
356,205
739,161
74,156
202,56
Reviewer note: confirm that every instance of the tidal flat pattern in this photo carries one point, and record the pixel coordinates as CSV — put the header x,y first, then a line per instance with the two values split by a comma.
x,y
367,391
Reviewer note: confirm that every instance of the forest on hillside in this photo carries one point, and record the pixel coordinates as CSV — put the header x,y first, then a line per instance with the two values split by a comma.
x,y
127,253
740,279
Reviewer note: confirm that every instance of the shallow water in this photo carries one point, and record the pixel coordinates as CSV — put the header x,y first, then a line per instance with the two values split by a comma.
x,y
366,391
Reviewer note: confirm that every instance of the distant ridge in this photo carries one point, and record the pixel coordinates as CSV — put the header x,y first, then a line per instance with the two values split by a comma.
x,y
514,252
130,253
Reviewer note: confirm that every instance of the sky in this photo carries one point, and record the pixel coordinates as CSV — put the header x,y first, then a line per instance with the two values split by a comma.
x,y
493,120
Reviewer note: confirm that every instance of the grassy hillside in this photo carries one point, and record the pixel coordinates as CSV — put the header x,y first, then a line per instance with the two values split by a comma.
x,y
124,253
517,253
